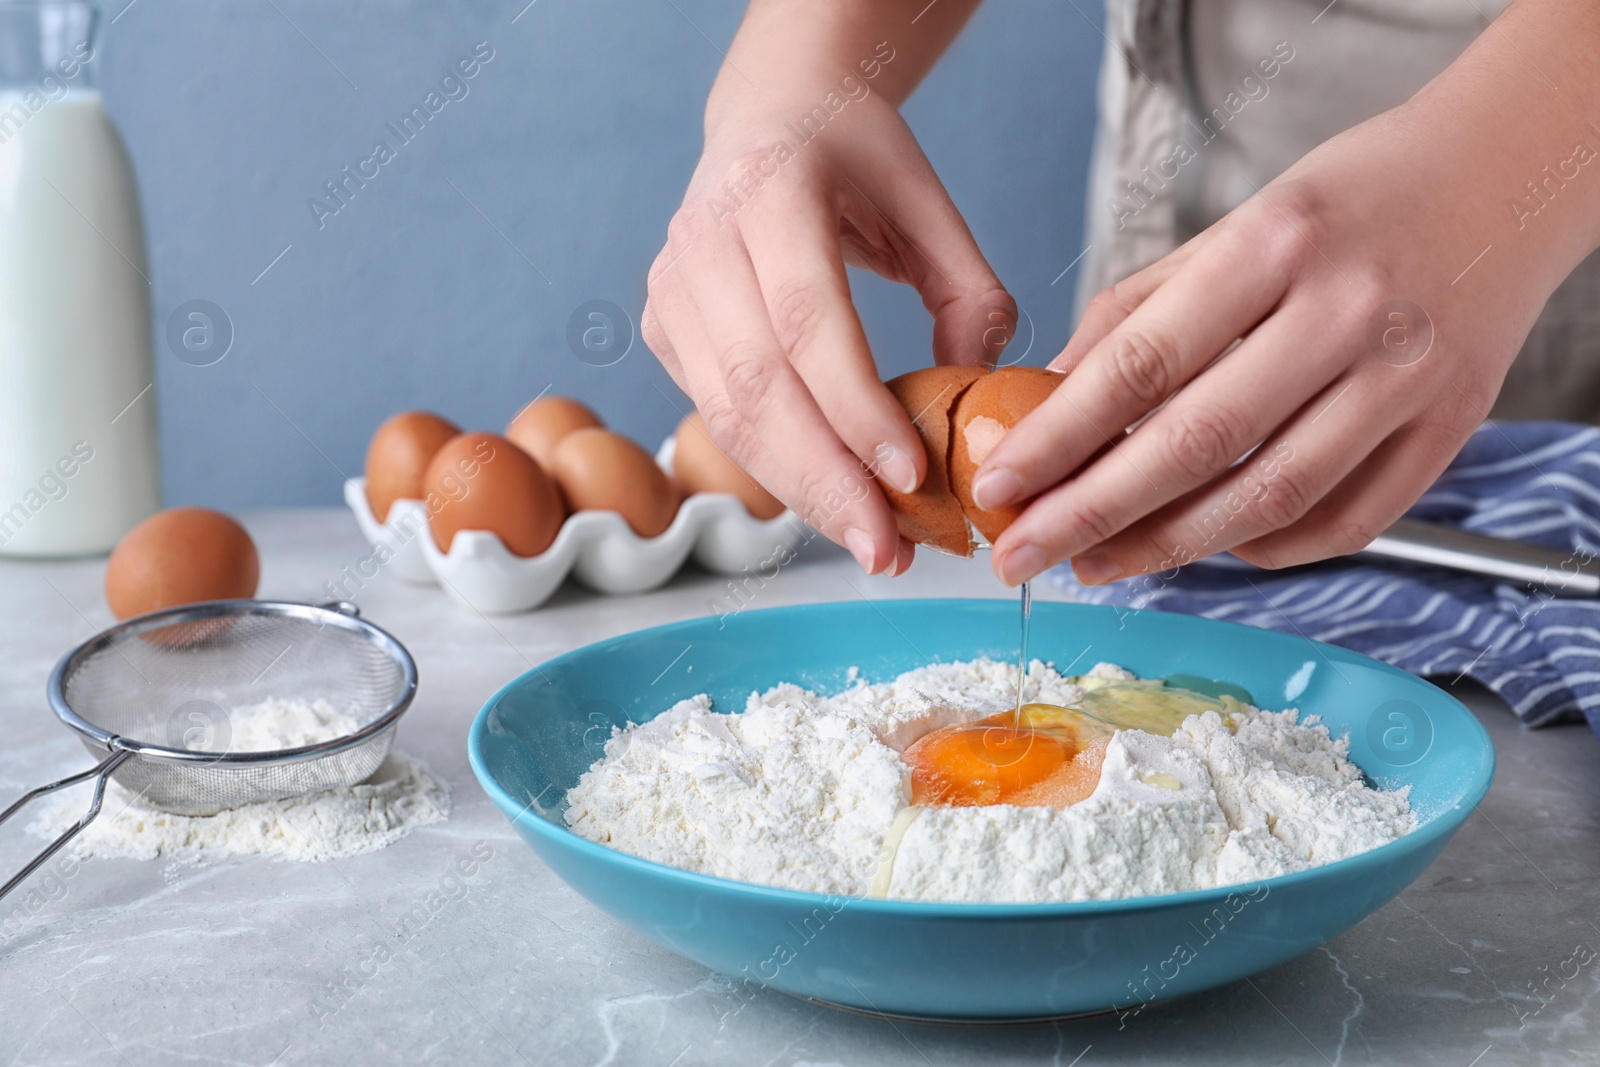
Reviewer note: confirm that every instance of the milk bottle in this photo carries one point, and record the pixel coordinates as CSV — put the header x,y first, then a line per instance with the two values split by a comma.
x,y
78,446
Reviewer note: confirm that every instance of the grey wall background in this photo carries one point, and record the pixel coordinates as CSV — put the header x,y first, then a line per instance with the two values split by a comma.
x,y
574,143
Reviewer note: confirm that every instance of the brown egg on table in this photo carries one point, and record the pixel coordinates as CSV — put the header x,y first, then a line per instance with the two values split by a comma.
x,y
398,457
598,470
932,515
181,556
541,425
992,405
481,481
701,467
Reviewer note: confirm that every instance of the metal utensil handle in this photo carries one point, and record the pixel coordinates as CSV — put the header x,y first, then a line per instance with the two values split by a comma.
x,y
1562,573
100,772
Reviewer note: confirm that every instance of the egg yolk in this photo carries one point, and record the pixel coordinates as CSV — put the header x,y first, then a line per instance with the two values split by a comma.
x,y
984,762
1043,755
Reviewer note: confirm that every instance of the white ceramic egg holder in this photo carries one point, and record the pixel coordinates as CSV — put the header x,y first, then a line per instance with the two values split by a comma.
x,y
596,547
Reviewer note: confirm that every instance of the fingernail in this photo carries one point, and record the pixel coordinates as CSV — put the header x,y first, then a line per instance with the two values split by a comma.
x,y
1095,569
896,468
859,542
1021,563
996,489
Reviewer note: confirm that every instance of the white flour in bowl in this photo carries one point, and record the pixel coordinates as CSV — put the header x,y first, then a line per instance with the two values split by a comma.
x,y
808,792
401,796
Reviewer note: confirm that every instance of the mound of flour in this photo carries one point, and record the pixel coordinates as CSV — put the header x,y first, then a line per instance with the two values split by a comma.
x,y
806,792
401,796
276,724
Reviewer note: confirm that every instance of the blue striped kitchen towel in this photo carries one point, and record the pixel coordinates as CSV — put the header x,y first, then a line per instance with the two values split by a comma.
x,y
1528,481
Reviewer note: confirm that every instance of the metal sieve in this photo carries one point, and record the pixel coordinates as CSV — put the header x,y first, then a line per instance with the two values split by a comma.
x,y
151,697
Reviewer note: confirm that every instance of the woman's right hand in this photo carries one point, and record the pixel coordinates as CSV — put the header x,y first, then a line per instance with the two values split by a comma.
x,y
749,305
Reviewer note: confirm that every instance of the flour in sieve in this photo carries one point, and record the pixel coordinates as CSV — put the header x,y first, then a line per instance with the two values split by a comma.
x,y
274,724
401,796
801,792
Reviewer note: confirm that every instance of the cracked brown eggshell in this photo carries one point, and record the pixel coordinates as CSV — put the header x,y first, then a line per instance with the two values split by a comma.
x,y
932,515
985,411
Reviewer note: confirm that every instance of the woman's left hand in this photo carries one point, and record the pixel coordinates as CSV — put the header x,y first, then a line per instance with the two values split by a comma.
x,y
1381,288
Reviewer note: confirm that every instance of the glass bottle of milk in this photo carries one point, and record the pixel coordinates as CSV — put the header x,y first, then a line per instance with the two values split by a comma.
x,y
78,446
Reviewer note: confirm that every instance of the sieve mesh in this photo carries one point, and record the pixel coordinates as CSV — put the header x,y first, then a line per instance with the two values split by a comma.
x,y
167,687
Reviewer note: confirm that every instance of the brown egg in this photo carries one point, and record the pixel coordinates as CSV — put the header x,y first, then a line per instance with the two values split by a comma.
x,y
598,470
398,457
481,481
537,428
932,515
700,467
991,406
181,556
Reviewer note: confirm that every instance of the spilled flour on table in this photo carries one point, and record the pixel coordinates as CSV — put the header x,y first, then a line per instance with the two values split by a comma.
x,y
811,793
401,796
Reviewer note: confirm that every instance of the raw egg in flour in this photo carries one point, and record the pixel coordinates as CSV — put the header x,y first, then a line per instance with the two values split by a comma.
x,y
1043,755
998,761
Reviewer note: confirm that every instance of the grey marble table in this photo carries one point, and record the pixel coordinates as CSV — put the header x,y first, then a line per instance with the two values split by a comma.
x,y
132,962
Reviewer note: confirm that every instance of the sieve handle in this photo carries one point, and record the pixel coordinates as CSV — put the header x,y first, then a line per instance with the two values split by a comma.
x,y
99,773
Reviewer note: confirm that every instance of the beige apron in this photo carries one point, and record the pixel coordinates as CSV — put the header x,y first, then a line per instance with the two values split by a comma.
x,y
1204,101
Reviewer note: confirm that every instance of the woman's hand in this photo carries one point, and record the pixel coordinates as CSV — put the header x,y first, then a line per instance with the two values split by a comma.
x,y
749,306
1381,288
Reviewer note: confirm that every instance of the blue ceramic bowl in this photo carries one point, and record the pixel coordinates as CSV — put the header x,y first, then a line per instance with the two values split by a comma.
x,y
976,962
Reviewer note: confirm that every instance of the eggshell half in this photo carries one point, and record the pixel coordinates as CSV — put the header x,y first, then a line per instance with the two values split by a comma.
x,y
991,406
932,515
